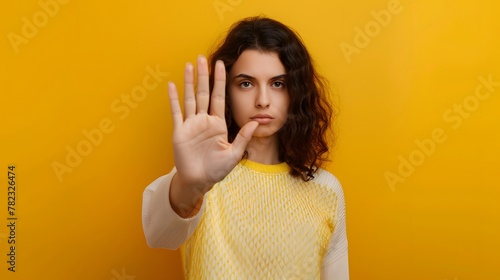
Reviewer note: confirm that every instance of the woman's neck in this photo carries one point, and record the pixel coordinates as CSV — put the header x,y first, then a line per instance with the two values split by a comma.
x,y
264,150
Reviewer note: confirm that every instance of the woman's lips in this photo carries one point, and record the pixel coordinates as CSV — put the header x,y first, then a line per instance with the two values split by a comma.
x,y
262,118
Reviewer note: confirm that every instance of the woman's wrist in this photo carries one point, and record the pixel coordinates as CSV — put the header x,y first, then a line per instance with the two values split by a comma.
x,y
184,199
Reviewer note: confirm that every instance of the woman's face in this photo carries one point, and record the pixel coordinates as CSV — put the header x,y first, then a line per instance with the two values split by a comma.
x,y
258,92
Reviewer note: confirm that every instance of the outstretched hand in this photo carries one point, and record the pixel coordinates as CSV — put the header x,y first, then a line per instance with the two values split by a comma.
x,y
203,156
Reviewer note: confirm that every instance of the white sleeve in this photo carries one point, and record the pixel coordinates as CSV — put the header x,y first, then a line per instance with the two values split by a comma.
x,y
336,262
163,228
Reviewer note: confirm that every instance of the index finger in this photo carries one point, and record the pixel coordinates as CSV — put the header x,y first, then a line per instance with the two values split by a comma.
x,y
218,100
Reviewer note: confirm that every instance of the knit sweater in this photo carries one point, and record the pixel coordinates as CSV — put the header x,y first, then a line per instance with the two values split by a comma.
x,y
257,223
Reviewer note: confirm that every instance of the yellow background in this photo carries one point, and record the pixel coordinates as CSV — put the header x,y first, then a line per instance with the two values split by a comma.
x,y
441,222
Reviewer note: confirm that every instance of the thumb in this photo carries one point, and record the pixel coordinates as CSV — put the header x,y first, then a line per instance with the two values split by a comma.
x,y
243,137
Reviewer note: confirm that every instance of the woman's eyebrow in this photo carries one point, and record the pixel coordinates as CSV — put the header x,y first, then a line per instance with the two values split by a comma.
x,y
281,76
243,76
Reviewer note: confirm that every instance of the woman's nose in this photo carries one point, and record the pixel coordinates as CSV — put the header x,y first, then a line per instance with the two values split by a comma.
x,y
262,100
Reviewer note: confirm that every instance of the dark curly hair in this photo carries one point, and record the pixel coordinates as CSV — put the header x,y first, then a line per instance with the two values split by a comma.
x,y
302,140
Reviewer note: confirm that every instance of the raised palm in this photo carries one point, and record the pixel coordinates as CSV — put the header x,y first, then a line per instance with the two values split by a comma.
x,y
203,155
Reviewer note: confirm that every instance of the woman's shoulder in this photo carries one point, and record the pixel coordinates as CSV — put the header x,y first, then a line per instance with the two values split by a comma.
x,y
329,180
330,191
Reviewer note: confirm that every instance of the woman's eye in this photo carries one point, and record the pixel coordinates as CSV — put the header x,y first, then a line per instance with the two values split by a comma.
x,y
278,84
245,84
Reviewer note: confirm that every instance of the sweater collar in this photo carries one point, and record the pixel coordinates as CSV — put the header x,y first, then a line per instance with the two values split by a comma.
x,y
266,168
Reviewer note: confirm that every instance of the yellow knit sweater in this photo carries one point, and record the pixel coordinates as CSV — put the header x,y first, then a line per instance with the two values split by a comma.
x,y
261,223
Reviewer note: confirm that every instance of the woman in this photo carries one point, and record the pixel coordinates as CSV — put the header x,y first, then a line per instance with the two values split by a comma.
x,y
248,198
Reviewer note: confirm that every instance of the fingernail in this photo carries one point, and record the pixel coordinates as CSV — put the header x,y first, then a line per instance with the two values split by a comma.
x,y
201,59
